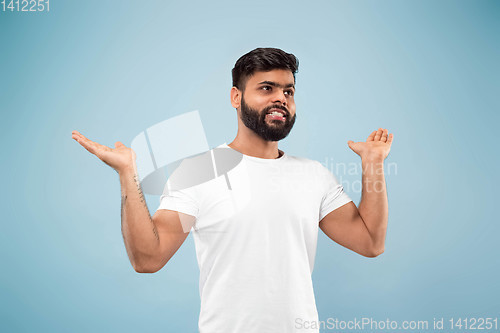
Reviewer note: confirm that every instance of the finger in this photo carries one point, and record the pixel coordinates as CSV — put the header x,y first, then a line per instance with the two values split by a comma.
x,y
81,138
77,135
384,135
96,145
351,145
378,135
87,144
91,146
389,139
84,137
371,136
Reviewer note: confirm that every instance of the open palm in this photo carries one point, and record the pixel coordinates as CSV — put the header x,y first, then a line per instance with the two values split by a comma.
x,y
377,146
119,158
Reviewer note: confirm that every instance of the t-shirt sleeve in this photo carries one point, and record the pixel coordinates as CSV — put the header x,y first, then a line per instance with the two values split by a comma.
x,y
183,201
334,196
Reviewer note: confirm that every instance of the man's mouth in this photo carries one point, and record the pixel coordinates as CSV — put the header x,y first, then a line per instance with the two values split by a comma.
x,y
277,114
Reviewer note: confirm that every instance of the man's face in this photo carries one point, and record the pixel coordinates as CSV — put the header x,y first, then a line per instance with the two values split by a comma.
x,y
267,104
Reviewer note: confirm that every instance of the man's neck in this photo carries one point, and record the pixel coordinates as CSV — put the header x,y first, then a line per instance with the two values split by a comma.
x,y
253,145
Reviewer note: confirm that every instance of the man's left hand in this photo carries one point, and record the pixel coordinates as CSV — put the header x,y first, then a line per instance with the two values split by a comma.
x,y
376,147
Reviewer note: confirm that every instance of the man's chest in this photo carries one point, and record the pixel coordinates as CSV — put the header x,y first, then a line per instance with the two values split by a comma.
x,y
257,194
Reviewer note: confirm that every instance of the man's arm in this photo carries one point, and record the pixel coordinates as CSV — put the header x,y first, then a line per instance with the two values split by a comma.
x,y
150,242
363,230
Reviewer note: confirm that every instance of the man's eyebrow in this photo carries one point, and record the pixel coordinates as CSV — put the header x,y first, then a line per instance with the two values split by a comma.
x,y
275,84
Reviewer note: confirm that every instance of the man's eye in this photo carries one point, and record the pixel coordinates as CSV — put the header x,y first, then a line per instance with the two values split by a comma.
x,y
266,87
289,92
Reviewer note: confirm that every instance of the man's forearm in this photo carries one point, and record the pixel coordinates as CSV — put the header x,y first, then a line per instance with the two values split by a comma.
x,y
139,231
373,207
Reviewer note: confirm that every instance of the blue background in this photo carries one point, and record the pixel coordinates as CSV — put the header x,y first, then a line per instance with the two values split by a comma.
x,y
426,70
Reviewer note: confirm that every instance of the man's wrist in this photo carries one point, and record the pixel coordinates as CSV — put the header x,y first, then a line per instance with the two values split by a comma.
x,y
127,171
373,159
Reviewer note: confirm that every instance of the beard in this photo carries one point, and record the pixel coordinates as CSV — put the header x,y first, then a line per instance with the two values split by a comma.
x,y
256,121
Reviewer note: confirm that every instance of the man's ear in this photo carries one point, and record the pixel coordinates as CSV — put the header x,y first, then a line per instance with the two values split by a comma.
x,y
235,97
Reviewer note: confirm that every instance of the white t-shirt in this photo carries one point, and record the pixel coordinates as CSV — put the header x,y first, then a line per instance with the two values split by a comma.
x,y
255,235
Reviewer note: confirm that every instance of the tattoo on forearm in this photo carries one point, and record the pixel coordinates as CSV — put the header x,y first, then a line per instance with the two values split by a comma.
x,y
124,199
143,200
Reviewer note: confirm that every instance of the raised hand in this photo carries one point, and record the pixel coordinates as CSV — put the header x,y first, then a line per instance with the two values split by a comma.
x,y
376,147
120,158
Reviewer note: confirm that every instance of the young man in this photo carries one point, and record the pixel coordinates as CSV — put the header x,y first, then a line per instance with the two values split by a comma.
x,y
255,227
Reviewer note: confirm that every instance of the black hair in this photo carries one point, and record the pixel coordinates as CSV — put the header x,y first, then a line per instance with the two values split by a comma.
x,y
262,60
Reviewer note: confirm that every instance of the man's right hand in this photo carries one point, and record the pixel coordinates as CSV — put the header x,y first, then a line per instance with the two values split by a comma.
x,y
121,158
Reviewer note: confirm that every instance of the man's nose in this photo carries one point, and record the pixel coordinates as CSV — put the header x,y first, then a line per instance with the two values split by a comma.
x,y
279,97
